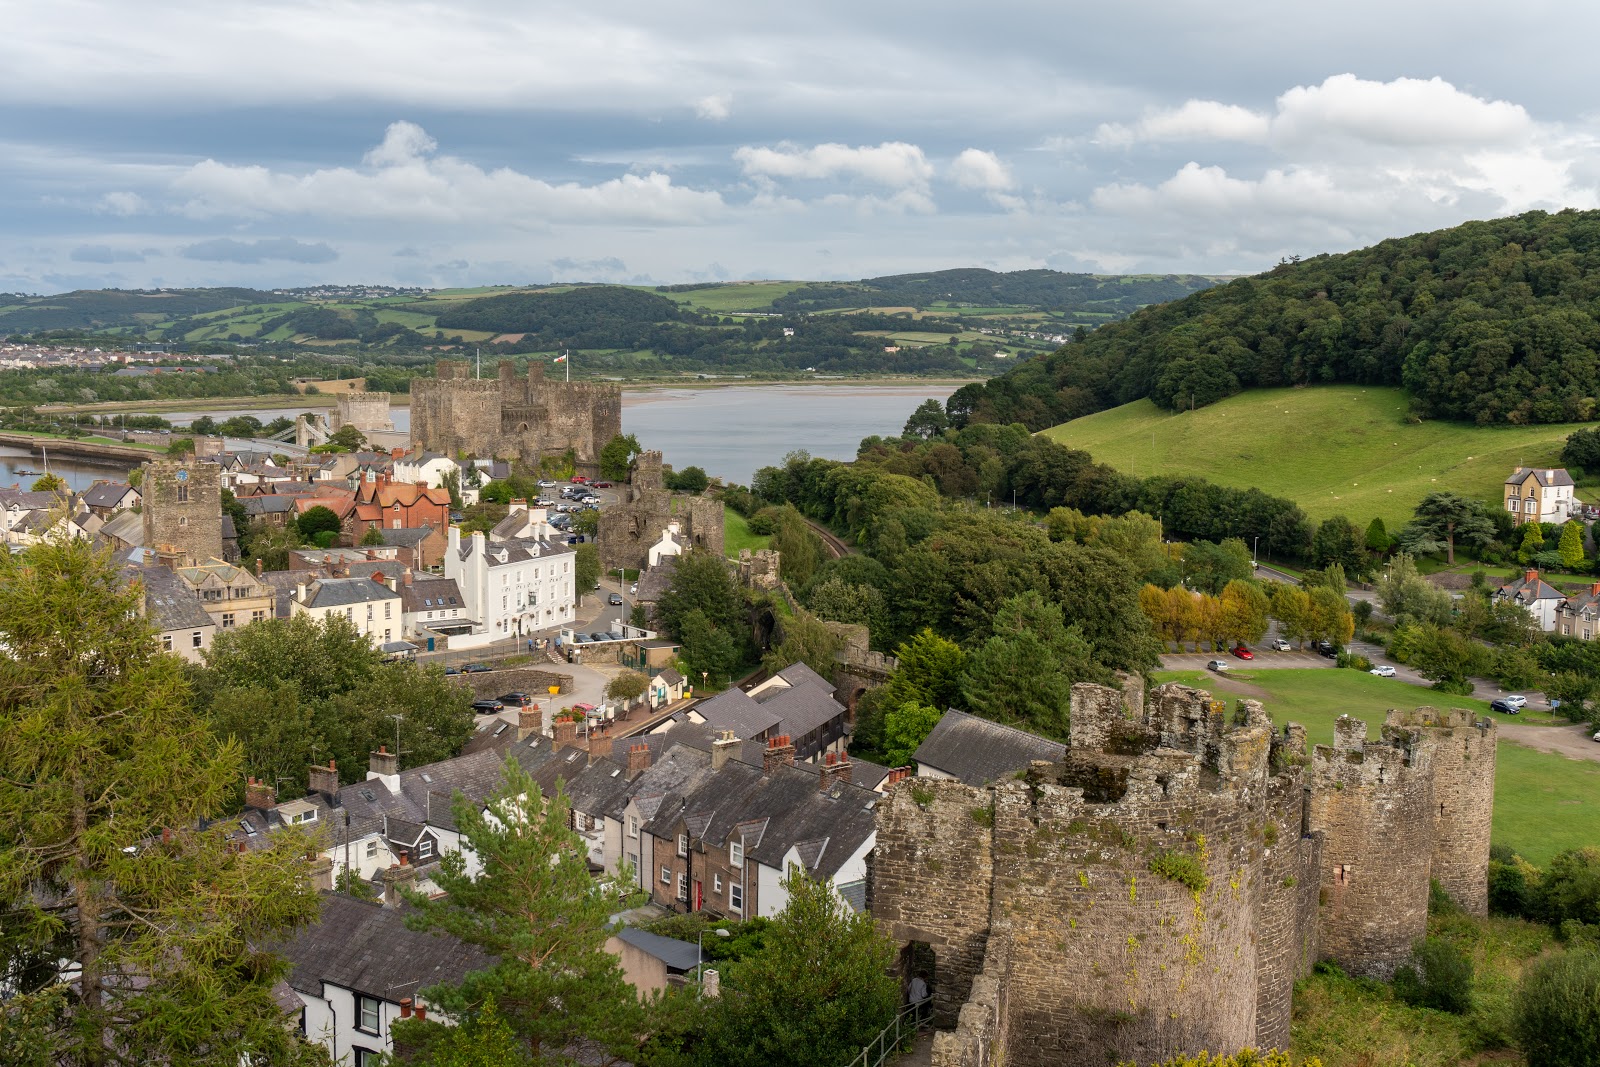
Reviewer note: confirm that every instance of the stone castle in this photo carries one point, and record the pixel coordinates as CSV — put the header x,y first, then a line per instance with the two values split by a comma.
x,y
520,419
182,511
1160,890
628,528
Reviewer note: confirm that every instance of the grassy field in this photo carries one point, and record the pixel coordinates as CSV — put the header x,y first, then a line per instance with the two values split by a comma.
x,y
736,296
736,534
1544,803
1334,450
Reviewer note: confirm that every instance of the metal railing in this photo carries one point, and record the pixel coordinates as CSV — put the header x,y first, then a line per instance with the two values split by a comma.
x,y
896,1037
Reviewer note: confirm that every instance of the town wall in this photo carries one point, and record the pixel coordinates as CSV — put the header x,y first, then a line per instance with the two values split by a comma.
x,y
629,527
182,510
1463,800
1373,801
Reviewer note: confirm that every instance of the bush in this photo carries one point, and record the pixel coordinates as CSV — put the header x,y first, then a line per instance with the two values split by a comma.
x,y
1247,1057
765,521
1441,977
1558,1011
1353,660
1460,687
1570,888
1512,884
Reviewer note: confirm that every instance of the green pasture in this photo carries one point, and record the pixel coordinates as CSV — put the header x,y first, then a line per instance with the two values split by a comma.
x,y
736,534
1333,449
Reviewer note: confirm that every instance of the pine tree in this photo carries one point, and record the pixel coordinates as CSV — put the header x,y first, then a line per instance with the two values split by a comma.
x,y
1023,675
1532,542
536,907
1571,546
110,882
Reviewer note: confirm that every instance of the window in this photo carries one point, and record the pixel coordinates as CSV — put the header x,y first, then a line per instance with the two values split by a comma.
x,y
736,852
197,639
666,876
683,887
633,826
388,610
227,620
425,848
183,493
716,883
257,616
183,520
396,524
367,1014
365,1057
683,845
388,635
372,849
1342,873
736,897
166,642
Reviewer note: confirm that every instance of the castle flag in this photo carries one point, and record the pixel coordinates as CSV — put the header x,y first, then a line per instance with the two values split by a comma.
x,y
561,359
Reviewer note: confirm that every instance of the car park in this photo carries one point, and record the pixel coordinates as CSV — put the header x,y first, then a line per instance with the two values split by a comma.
x,y
516,699
1516,700
546,483
1217,665
476,668
1382,670
599,635
1327,648
1504,707
614,599
1243,652
487,707
1280,645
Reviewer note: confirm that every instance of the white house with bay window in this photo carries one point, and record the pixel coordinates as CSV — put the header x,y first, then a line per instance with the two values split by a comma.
x,y
512,588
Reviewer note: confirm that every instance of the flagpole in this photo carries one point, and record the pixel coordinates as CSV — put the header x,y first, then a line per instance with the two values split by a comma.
x,y
566,356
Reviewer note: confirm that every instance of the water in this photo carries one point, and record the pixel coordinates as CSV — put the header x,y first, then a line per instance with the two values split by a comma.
x,y
79,472
731,432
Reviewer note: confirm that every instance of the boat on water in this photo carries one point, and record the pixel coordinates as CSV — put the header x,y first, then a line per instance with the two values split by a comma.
x,y
24,472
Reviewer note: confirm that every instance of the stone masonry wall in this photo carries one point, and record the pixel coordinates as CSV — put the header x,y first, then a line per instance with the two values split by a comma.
x,y
1463,800
1286,922
520,419
1373,802
364,411
183,509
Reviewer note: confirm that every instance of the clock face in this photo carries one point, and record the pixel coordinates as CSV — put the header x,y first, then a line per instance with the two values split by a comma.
x,y
183,476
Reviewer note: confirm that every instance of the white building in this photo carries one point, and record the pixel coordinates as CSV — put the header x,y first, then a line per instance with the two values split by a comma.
x,y
1535,596
668,546
372,607
512,588
429,468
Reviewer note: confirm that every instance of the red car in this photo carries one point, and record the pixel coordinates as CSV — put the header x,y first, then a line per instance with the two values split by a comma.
x,y
578,479
602,485
1244,653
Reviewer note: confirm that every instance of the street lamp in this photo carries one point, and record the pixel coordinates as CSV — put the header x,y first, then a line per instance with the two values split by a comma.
x,y
700,955
1255,559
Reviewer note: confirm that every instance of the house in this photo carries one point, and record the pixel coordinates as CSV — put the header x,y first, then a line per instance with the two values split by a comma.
x,y
421,549
1579,615
1535,596
522,522
431,603
274,509
978,751
1540,494
651,962
372,607
512,588
796,702
665,688
182,626
105,498
420,466
123,531
394,506
230,595
359,968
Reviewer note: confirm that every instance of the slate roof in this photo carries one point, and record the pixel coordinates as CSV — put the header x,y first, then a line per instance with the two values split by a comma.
x,y
126,527
339,592
367,948
1546,476
732,709
1529,590
409,537
27,499
978,751
654,582
515,551
257,506
168,601
795,701
105,495
229,531
678,955
431,594
670,676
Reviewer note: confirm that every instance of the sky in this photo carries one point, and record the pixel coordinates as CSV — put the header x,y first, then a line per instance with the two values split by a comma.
x,y
276,143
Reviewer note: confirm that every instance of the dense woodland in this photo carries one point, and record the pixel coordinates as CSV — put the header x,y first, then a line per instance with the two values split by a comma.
x,y
1047,290
1492,322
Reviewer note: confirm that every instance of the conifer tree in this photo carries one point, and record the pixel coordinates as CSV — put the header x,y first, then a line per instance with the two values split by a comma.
x,y
1571,545
1532,542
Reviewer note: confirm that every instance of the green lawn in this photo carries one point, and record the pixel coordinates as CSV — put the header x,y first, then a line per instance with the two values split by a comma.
x,y
735,296
736,534
1544,803
1333,449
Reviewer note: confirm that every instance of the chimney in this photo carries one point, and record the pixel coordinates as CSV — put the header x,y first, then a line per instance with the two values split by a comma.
x,y
405,576
259,794
530,721
399,876
599,747
710,982
566,733
638,759
422,1014
779,753
897,775
258,566
1532,576
393,582
384,766
322,873
300,592
405,1007
723,748
324,780
835,768
372,555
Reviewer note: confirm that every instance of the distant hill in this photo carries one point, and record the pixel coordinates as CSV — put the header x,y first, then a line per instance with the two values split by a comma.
x,y
1494,322
1333,449
1086,298
89,309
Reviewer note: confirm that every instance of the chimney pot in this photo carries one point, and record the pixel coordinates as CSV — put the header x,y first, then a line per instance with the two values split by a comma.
x,y
405,1007
779,753
599,747
422,1013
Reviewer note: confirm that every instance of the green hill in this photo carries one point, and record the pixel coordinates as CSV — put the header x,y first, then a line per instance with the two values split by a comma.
x,y
1334,449
1490,322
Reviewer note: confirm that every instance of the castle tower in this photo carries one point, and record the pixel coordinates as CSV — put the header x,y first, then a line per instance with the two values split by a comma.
x,y
1463,799
647,474
1373,802
367,412
182,510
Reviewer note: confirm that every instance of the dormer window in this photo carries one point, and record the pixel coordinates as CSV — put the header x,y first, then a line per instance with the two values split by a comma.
x,y
736,853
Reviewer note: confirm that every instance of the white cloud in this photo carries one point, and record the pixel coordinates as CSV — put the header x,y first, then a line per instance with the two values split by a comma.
x,y
1406,112
1195,120
404,181
975,168
893,164
121,203
715,107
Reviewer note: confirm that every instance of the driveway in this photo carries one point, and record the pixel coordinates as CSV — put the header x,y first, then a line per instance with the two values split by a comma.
x,y
1570,741
1196,661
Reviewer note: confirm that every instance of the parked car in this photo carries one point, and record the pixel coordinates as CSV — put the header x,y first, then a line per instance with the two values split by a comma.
x,y
1218,665
1243,652
1280,645
578,479
452,670
1382,670
1516,700
614,599
515,700
476,668
1504,707
614,635
1327,648
487,707
599,635
546,483
602,485
544,502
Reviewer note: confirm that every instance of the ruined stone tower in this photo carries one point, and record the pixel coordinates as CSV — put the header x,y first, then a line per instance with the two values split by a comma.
x,y
629,527
182,510
506,417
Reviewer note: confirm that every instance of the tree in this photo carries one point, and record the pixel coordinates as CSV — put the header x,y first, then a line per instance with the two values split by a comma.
x,y
585,567
348,439
1448,518
1532,542
616,457
1136,537
806,639
535,907
1582,450
701,582
800,548
180,447
710,652
373,536
1570,888
1557,1020
929,672
627,686
1571,545
1209,567
152,923
496,491
1023,675
841,601
929,420
1330,617
905,727
50,483
235,511
818,992
317,519
1336,541
1439,977
1291,606
269,542
1377,539
1406,596
1244,612
205,425
688,480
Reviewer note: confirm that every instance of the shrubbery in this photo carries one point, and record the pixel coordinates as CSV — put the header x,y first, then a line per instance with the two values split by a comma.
x,y
1558,1010
1440,977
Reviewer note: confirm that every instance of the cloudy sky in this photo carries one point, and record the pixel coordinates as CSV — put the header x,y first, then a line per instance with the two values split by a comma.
x,y
416,142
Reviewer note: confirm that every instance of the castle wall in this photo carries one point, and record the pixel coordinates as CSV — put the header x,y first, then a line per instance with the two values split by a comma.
x,y
1373,803
629,527
521,419
1286,922
1463,800
367,412
182,509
